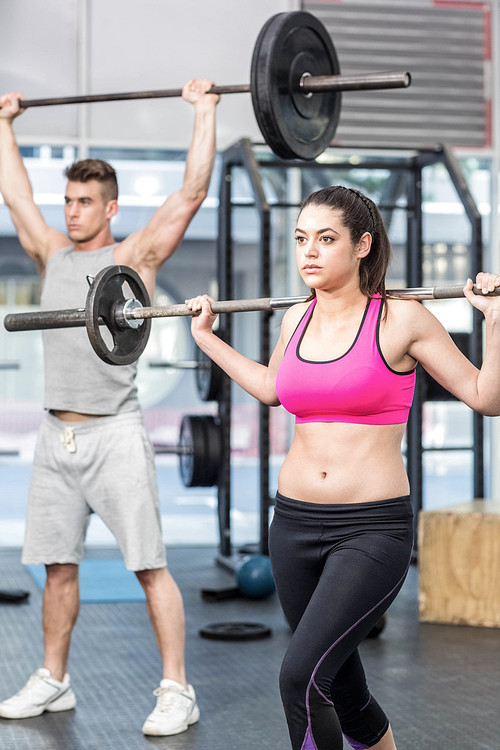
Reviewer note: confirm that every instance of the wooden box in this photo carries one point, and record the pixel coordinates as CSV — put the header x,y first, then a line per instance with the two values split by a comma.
x,y
459,564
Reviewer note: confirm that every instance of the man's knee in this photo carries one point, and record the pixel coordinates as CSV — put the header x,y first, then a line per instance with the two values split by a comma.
x,y
152,578
61,574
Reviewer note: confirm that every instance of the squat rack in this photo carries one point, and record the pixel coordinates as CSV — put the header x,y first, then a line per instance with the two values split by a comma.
x,y
244,154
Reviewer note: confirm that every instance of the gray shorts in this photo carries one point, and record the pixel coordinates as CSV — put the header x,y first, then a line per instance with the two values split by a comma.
x,y
104,466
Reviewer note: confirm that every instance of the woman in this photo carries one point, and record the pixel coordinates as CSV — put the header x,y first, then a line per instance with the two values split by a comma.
x,y
341,535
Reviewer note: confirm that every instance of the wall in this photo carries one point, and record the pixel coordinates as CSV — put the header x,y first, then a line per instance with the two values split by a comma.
x,y
444,44
68,47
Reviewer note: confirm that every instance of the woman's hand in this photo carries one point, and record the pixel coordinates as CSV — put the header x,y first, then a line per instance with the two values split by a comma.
x,y
204,319
487,282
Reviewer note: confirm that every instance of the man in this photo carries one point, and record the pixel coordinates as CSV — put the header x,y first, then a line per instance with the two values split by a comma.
x,y
92,453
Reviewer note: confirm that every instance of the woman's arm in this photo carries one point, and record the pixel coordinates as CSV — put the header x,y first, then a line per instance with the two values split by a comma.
x,y
256,379
435,350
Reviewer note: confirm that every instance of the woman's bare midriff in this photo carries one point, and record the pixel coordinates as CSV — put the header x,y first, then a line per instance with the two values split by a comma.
x,y
330,462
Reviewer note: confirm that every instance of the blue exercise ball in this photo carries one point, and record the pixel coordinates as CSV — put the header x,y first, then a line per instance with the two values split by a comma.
x,y
255,577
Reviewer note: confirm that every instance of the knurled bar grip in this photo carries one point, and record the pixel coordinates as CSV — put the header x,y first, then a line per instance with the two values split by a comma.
x,y
259,304
308,85
46,319
436,292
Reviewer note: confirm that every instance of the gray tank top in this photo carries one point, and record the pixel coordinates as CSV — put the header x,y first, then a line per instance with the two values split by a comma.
x,y
76,379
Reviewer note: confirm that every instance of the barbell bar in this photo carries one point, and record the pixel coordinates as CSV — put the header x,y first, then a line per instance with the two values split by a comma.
x,y
208,375
9,365
295,83
128,319
180,364
308,85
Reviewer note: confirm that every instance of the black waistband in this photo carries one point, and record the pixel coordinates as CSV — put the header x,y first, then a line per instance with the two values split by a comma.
x,y
399,507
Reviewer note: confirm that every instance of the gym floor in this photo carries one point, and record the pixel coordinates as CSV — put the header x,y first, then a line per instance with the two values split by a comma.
x,y
438,683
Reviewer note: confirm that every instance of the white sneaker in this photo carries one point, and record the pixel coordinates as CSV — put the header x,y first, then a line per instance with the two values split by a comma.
x,y
176,709
41,693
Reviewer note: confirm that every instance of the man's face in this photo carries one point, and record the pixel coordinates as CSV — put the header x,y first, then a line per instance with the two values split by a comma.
x,y
87,213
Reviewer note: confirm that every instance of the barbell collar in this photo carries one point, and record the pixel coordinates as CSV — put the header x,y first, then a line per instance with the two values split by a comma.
x,y
122,310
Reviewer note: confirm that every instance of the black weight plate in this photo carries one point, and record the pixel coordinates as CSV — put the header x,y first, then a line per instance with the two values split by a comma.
x,y
213,453
200,465
208,377
294,125
235,631
112,286
192,437
13,596
219,595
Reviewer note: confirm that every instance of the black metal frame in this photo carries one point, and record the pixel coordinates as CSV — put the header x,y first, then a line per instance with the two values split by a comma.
x,y
242,155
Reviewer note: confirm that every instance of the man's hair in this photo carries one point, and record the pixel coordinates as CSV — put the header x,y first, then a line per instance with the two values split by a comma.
x,y
95,169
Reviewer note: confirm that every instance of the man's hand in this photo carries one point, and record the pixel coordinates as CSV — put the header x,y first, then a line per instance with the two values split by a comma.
x,y
195,91
9,105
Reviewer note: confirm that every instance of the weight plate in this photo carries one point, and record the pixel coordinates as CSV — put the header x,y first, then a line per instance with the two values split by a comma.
x,y
200,441
294,125
235,631
213,451
13,596
110,289
218,595
208,377
192,437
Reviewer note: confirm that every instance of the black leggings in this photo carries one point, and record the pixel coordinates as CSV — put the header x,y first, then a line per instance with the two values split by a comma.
x,y
337,569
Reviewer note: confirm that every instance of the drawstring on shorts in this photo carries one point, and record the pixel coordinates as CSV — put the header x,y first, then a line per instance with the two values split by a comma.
x,y
67,437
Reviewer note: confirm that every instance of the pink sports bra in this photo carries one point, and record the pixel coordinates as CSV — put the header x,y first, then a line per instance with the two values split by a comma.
x,y
358,387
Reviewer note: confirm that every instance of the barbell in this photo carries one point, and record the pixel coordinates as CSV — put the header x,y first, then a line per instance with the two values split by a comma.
x,y
199,449
128,319
208,375
295,84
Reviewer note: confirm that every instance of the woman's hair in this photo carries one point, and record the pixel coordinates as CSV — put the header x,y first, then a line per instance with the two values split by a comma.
x,y
95,169
359,215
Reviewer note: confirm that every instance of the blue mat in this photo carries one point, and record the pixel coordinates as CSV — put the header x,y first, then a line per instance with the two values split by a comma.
x,y
100,581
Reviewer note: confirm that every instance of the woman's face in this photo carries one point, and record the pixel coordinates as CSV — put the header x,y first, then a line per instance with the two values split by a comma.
x,y
326,256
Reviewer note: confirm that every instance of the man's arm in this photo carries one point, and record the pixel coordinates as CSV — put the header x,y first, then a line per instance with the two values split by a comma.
x,y
147,249
35,236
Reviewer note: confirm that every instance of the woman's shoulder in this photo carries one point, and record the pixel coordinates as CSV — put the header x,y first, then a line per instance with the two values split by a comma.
x,y
292,318
407,308
409,314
